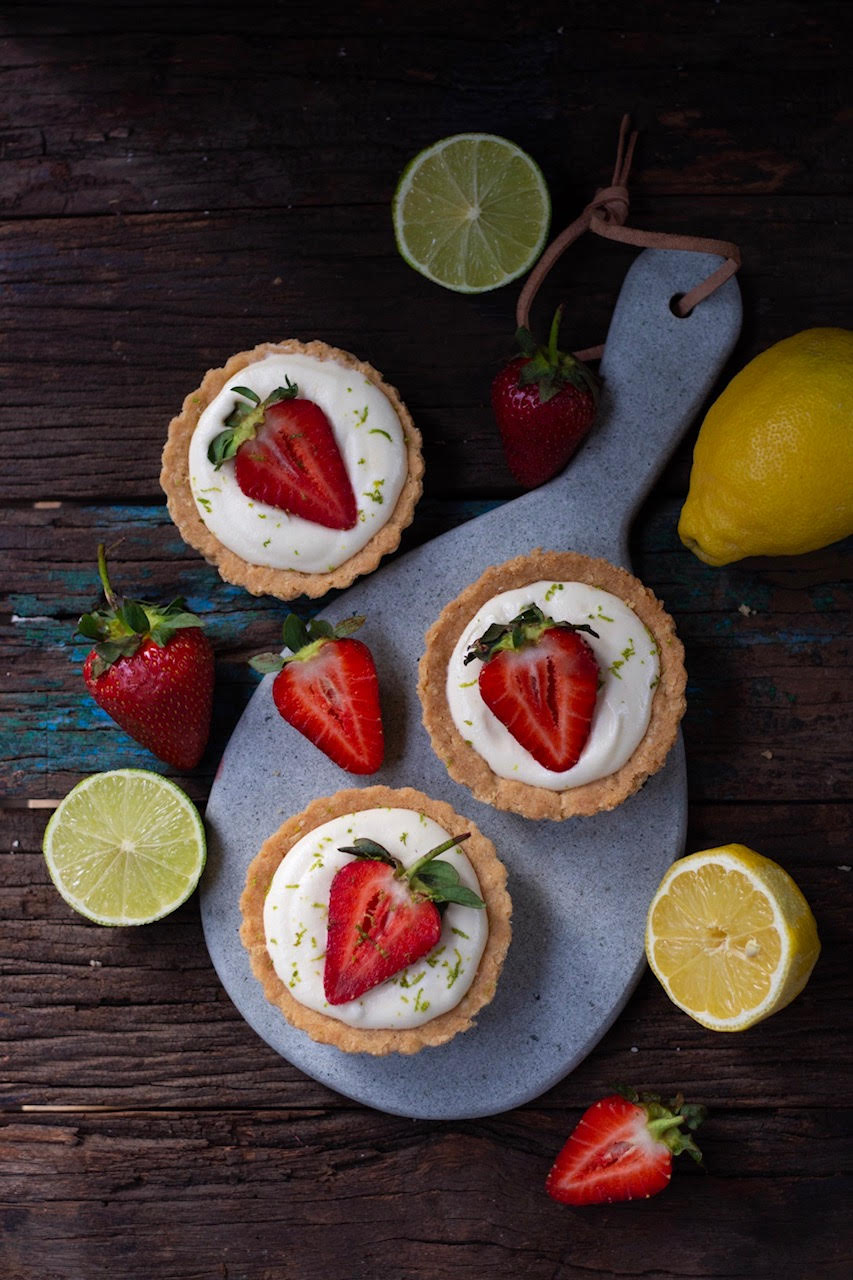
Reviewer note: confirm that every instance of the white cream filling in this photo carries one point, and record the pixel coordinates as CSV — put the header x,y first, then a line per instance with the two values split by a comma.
x,y
368,433
629,668
296,916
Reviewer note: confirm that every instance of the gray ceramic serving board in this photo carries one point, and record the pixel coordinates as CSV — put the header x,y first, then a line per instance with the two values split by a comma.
x,y
581,888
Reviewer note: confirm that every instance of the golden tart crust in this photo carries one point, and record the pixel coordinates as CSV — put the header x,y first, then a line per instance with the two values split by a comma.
x,y
377,1040
286,584
467,766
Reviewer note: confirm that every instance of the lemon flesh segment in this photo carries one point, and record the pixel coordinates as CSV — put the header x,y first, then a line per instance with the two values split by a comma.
x,y
125,847
730,937
471,212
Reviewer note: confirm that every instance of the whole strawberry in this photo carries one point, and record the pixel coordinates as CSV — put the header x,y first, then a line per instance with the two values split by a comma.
x,y
152,671
544,402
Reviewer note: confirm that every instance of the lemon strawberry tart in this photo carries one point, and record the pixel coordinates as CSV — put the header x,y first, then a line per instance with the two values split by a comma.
x,y
553,686
293,469
377,920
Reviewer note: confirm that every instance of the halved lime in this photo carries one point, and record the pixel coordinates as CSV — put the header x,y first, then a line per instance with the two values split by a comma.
x,y
125,847
471,212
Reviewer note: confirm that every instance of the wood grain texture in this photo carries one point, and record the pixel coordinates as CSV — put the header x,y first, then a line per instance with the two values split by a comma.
x,y
179,181
250,1193
80,291
769,708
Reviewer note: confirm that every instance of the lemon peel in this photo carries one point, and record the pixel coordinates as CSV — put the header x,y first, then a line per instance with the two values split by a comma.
x,y
773,464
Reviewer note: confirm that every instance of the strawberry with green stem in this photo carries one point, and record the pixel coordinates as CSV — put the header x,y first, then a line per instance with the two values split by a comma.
x,y
623,1148
286,455
544,402
328,689
540,678
152,671
384,916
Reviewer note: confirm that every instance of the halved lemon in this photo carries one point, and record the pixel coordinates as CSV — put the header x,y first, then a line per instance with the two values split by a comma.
x,y
471,212
730,937
125,847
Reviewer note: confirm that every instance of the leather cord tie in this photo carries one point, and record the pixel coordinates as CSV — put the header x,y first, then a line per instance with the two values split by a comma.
x,y
606,215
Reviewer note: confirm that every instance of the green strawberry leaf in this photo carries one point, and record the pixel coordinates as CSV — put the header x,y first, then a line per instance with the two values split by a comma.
x,y
370,851
694,1114
267,663
551,369
180,621
525,629
348,626
91,625
462,896
132,614
248,393
442,884
526,341
295,633
221,447
109,652
121,628
243,421
320,629
288,392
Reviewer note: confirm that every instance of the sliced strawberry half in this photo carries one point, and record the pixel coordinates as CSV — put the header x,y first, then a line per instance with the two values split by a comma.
x,y
384,916
540,678
285,454
328,689
623,1148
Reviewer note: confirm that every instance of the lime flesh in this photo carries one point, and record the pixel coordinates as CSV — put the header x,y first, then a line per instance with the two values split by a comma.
x,y
471,212
125,847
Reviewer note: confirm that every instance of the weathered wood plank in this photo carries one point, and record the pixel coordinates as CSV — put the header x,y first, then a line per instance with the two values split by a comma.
x,y
331,115
782,665
255,1195
111,321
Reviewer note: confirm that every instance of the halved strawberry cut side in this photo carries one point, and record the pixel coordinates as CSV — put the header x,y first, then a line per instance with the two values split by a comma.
x,y
623,1148
332,697
544,693
376,928
293,462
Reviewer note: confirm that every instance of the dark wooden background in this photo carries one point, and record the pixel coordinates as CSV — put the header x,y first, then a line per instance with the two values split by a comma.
x,y
179,181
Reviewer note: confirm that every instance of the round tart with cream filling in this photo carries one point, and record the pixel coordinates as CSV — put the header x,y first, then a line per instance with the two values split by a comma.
x,y
553,686
377,920
293,469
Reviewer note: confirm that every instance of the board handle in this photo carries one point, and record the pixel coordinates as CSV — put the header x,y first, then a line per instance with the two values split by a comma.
x,y
657,369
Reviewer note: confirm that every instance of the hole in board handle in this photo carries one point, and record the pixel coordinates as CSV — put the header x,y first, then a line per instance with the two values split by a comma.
x,y
674,304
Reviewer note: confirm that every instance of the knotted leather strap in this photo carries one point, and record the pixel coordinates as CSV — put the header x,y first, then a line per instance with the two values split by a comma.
x,y
606,215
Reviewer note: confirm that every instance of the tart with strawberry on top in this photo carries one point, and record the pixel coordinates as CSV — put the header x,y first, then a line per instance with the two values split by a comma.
x,y
293,469
377,920
553,686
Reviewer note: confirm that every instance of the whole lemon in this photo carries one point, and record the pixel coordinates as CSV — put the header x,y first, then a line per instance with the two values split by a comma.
x,y
773,465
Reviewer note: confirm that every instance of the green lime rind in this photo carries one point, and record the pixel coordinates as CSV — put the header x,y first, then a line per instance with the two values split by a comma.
x,y
471,212
125,847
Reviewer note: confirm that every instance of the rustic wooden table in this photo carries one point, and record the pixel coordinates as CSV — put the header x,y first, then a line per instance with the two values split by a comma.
x,y
180,181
